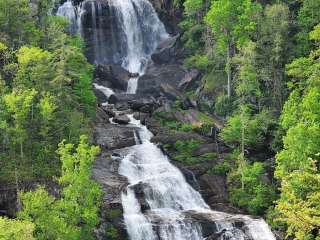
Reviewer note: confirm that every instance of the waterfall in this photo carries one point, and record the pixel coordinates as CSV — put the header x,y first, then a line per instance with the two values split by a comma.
x,y
122,32
169,198
158,203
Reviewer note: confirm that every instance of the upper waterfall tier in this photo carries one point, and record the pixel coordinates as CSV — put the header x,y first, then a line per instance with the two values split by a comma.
x,y
122,32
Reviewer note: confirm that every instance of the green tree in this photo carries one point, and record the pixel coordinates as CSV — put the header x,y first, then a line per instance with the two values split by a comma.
x,y
19,105
247,129
308,17
248,126
50,223
34,69
76,214
232,22
17,26
273,48
252,193
81,195
193,8
298,163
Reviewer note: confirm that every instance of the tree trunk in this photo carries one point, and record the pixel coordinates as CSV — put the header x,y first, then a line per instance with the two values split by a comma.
x,y
229,73
242,156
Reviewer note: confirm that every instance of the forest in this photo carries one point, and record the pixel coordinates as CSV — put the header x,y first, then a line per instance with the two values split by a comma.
x,y
259,62
269,53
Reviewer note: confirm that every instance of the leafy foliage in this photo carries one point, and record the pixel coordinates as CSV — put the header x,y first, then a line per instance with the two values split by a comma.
x,y
185,151
253,195
46,93
297,163
76,214
16,230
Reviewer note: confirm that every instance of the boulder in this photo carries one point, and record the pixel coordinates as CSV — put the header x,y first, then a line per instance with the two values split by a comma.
x,y
149,84
166,51
122,98
112,76
121,119
170,92
145,105
111,136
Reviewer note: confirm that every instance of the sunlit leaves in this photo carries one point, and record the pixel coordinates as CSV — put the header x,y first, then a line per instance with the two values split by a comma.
x,y
16,230
298,163
76,214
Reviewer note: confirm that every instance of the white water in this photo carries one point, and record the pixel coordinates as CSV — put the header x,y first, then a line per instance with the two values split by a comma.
x,y
106,91
133,85
169,197
131,12
68,11
138,18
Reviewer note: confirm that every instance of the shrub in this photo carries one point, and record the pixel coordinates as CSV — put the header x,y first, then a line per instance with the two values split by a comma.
x,y
222,168
254,195
185,150
113,213
112,232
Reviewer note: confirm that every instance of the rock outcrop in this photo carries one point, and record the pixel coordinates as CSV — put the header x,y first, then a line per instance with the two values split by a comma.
x,y
168,51
110,136
121,119
112,76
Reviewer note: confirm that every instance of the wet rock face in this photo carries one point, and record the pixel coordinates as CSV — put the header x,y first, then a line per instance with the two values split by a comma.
x,y
168,51
168,76
105,172
169,14
112,76
112,139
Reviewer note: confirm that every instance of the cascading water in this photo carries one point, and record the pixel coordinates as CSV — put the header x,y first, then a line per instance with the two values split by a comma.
x,y
170,198
122,32
158,203
143,32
